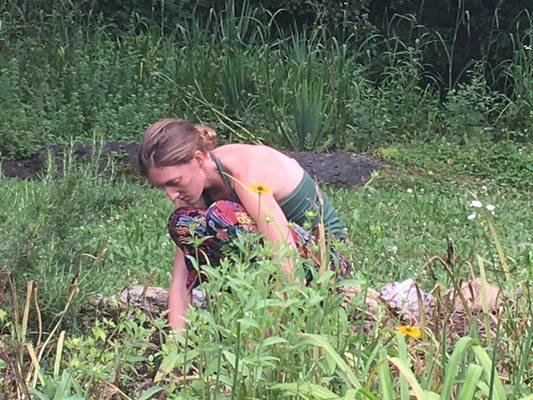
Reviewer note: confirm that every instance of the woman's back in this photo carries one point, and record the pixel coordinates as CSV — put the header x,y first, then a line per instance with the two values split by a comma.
x,y
262,165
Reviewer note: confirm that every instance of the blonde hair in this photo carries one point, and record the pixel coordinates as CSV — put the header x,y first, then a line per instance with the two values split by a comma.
x,y
171,142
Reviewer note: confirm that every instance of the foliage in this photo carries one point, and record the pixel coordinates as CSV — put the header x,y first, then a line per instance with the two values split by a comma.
x,y
260,336
238,69
262,340
453,123
88,222
505,164
55,231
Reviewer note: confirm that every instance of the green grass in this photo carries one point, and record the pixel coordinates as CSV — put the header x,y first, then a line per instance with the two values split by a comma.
x,y
53,228
305,90
396,222
64,76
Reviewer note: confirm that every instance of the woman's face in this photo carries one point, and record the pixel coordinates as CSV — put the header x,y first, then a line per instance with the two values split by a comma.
x,y
183,182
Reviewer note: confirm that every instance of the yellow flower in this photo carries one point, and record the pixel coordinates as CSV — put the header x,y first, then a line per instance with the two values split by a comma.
x,y
260,189
410,331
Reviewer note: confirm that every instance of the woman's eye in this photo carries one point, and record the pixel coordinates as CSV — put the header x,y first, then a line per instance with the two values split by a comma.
x,y
175,184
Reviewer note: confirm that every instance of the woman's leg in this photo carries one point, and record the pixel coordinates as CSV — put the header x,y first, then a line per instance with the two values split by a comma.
x,y
224,219
307,244
201,232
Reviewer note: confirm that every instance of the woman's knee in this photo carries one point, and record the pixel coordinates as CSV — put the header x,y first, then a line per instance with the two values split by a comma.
x,y
186,222
224,213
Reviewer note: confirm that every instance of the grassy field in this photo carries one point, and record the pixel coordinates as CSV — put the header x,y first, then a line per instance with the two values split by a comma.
x,y
57,228
456,138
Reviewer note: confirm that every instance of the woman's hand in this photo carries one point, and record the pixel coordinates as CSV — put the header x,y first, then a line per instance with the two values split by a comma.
x,y
178,296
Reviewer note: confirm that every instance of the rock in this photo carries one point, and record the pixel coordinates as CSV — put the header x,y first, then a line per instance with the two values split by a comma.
x,y
403,299
371,300
152,300
472,290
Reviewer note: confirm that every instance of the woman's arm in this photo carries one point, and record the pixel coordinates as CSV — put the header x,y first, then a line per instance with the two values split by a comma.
x,y
269,217
178,296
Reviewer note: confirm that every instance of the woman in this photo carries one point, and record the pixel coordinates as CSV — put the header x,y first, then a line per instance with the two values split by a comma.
x,y
221,191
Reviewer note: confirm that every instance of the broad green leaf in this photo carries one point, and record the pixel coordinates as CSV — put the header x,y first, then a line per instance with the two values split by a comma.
x,y
248,322
453,365
331,363
473,374
486,363
150,392
404,356
405,371
350,394
167,365
383,370
272,341
364,392
230,357
307,389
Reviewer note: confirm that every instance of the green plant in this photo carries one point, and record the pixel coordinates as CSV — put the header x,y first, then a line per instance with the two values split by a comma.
x,y
236,82
307,116
470,110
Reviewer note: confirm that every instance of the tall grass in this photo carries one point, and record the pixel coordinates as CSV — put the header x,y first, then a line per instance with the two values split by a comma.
x,y
60,83
82,232
258,340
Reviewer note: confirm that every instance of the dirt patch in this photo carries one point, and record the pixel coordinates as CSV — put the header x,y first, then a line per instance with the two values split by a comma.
x,y
30,168
343,169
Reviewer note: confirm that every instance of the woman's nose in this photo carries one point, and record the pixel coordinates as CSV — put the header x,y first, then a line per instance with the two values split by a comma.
x,y
172,194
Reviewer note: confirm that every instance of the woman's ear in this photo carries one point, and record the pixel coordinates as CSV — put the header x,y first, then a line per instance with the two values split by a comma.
x,y
199,157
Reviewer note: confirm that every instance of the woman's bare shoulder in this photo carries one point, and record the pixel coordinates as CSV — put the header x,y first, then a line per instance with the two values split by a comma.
x,y
238,153
256,163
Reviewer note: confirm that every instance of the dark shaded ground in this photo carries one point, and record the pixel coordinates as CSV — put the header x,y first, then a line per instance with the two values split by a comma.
x,y
344,169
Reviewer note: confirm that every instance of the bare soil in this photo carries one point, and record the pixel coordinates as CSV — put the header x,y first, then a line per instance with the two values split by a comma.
x,y
343,169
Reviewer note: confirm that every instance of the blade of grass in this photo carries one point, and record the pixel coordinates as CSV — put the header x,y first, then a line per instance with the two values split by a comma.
x,y
418,392
453,366
383,370
59,352
320,341
501,251
404,356
486,363
523,360
473,374
26,312
306,389
35,363
484,301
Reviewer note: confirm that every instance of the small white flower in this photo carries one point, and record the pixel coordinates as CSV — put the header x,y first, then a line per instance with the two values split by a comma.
x,y
409,190
527,47
476,203
491,207
472,216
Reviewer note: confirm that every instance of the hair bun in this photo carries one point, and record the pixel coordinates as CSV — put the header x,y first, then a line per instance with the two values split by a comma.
x,y
208,135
